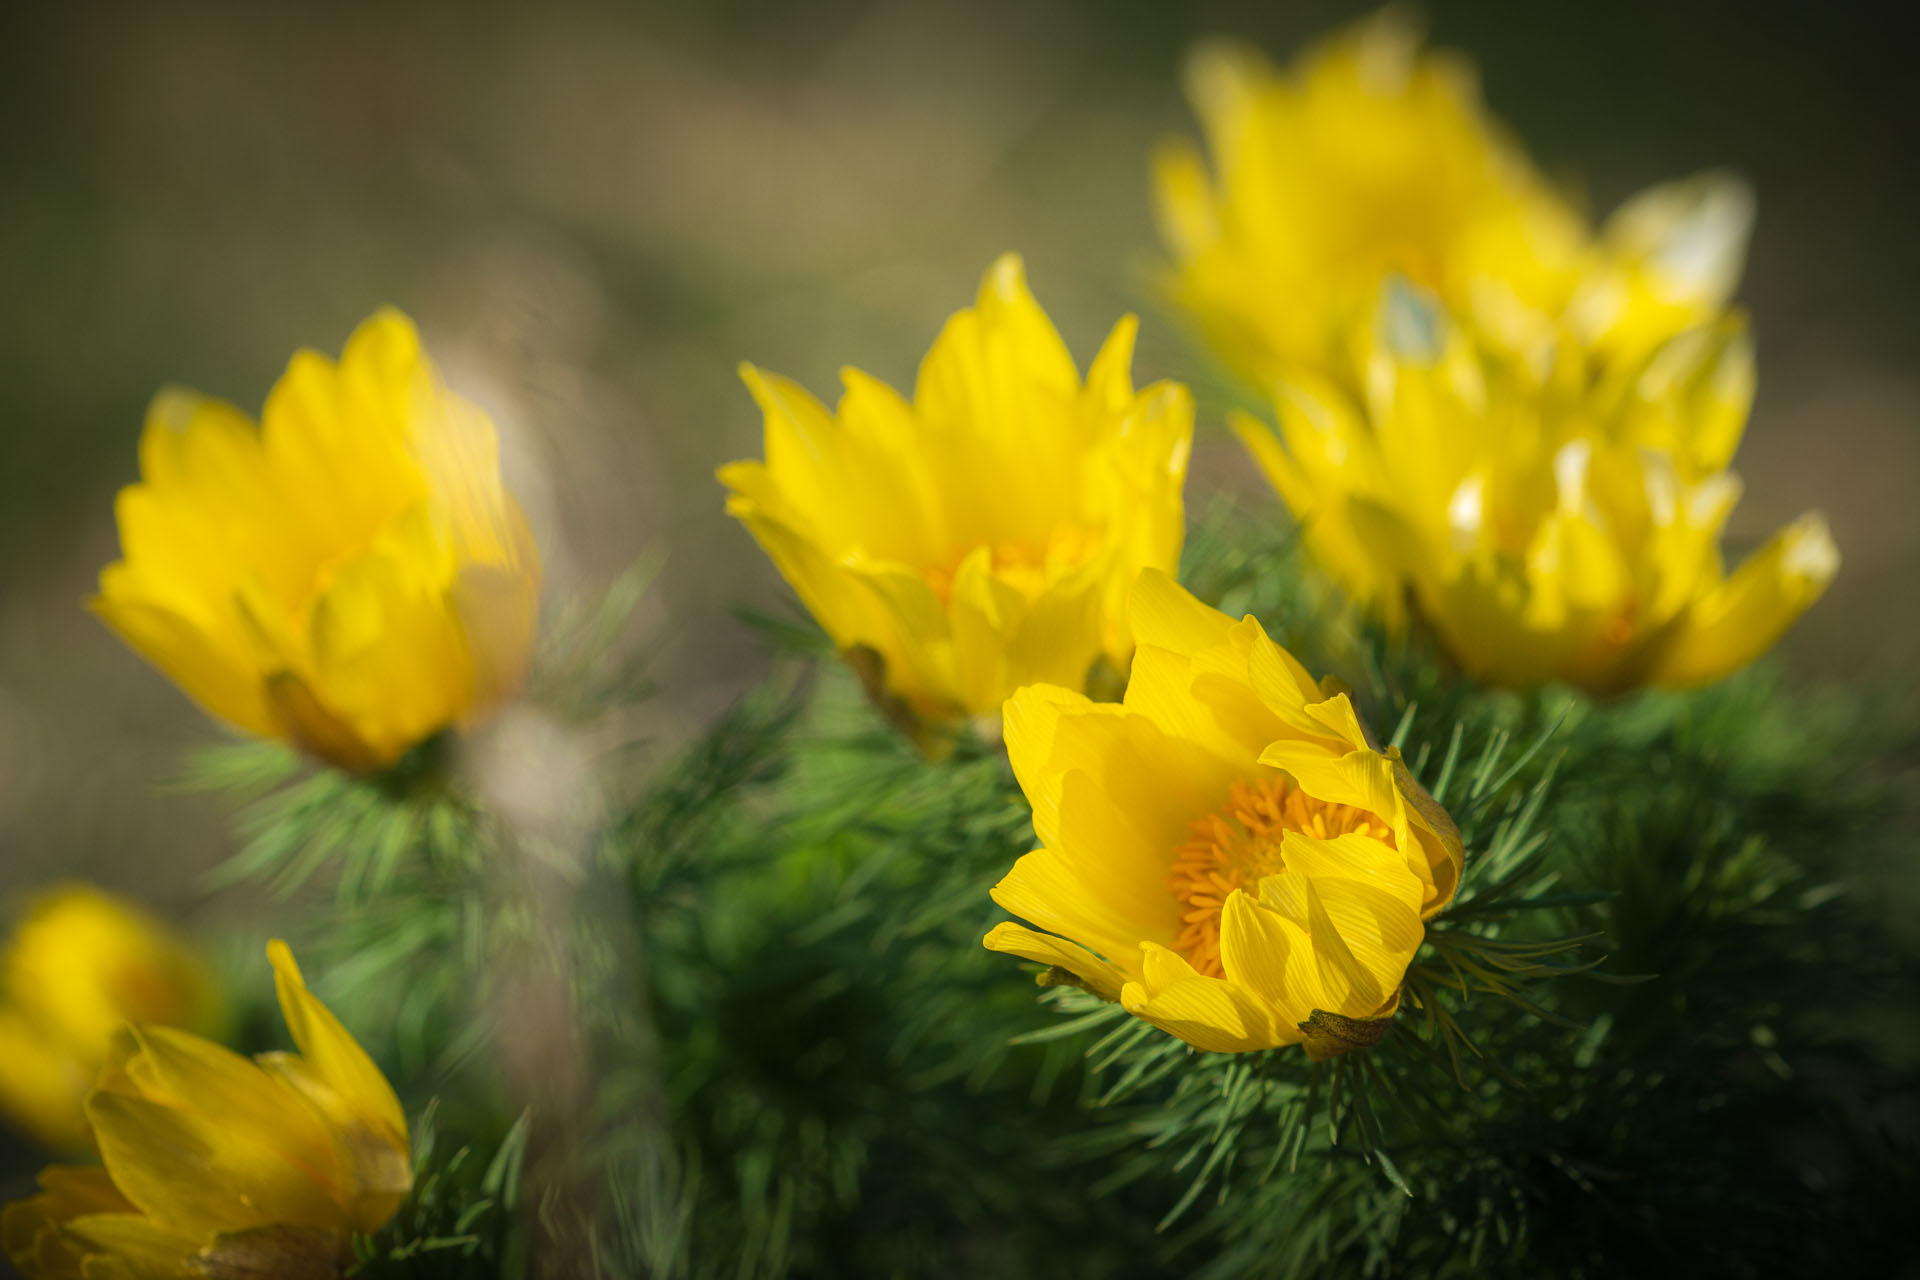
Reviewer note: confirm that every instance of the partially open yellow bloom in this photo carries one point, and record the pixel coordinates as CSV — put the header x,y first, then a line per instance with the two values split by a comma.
x,y
351,576
80,965
1225,854
981,536
214,1165
1369,157
1546,530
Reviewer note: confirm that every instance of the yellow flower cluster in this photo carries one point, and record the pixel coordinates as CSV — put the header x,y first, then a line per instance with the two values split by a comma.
x,y
1225,853
350,577
982,536
214,1165
80,965
1518,428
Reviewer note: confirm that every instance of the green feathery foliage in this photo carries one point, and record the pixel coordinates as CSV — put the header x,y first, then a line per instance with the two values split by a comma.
x,y
461,1222
762,1038
835,1044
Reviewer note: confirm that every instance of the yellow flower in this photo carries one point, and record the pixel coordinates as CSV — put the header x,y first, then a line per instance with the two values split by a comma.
x,y
81,964
351,577
1225,853
1547,530
982,536
214,1165
1369,158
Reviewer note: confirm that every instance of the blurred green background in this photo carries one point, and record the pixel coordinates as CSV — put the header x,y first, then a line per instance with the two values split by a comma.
x,y
596,211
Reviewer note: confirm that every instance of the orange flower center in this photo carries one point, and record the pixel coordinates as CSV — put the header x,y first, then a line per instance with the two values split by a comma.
x,y
1236,847
1027,568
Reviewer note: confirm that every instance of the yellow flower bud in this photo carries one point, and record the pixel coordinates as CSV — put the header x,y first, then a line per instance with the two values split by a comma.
x,y
350,577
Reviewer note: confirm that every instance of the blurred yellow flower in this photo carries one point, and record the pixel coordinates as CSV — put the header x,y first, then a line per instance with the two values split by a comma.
x,y
1370,157
1547,530
982,536
350,577
80,965
213,1165
1225,853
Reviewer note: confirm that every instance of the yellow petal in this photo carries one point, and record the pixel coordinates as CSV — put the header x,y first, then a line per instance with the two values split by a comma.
x,y
1371,901
1742,617
1046,949
1439,839
1161,782
1109,386
146,1247
387,650
1104,843
1060,633
209,508
337,439
1692,234
1010,318
1183,204
999,367
1269,955
1230,681
1361,778
228,1101
823,586
1362,859
213,670
1167,616
1286,476
1344,982
365,1097
1292,697
896,497
1053,892
913,631
316,728
177,1169
32,1231
372,1175
1031,726
982,612
496,609
75,1189
803,450
1162,688
1207,1013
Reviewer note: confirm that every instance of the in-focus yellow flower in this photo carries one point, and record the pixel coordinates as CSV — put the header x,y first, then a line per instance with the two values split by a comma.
x,y
80,965
1554,530
1225,853
1369,157
350,577
982,536
214,1165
